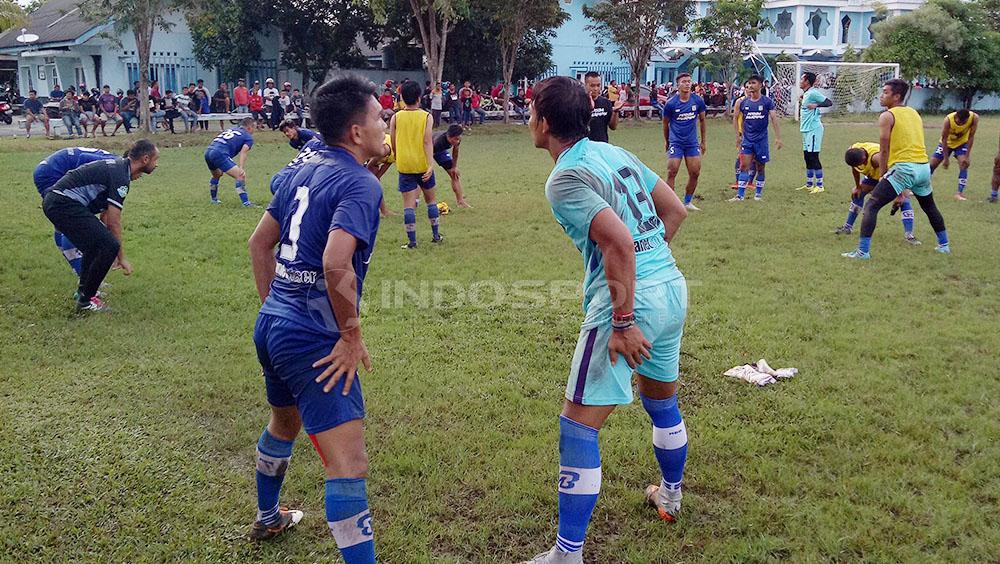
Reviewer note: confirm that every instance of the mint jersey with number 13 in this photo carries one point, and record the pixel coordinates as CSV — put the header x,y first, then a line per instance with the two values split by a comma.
x,y
590,177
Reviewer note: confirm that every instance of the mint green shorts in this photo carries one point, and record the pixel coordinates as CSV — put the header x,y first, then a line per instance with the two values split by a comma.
x,y
915,177
660,311
812,140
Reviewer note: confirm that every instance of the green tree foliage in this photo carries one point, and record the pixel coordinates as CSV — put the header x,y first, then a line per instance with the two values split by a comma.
x,y
949,41
481,65
11,15
635,28
224,33
730,28
434,21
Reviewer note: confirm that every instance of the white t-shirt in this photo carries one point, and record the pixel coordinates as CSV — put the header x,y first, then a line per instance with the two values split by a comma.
x,y
269,95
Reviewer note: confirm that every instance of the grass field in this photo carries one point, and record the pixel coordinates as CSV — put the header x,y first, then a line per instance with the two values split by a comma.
x,y
130,436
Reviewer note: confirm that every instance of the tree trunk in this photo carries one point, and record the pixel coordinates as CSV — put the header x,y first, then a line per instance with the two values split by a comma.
x,y
143,41
508,56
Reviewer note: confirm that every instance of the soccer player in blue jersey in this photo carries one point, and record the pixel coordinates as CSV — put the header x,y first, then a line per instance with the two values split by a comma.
x,y
310,253
306,151
49,171
621,216
219,158
297,136
811,127
680,113
756,110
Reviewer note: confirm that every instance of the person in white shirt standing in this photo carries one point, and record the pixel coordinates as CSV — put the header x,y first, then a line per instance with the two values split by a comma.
x,y
270,95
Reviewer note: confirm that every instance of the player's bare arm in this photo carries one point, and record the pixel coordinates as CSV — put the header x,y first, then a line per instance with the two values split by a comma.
x,y
666,134
702,127
777,131
341,287
669,208
972,138
885,123
113,217
261,245
429,147
618,249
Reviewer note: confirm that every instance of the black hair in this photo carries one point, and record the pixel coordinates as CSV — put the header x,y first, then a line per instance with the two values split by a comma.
x,y
810,77
591,74
756,77
130,92
287,124
247,121
962,114
410,92
565,105
339,104
32,92
899,87
454,130
682,75
140,149
855,157
169,91
108,87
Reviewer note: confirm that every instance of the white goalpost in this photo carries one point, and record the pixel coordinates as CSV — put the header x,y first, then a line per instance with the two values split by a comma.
x,y
853,87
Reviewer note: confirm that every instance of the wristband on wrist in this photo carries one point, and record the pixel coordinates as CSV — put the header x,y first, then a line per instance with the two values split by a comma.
x,y
622,322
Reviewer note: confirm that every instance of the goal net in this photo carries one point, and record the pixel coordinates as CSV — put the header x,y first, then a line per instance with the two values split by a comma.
x,y
853,87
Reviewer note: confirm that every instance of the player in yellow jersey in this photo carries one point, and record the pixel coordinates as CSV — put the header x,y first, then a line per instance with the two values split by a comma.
x,y
957,135
865,160
413,143
378,166
903,169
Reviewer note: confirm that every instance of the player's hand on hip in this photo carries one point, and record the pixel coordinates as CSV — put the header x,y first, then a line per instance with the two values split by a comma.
x,y
631,344
343,362
427,175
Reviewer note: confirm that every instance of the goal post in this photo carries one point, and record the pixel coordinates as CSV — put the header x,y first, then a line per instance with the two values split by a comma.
x,y
853,87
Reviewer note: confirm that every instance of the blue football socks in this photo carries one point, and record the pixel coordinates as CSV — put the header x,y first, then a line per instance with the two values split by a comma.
x,y
819,178
241,191
349,519
741,184
579,482
809,177
865,244
963,178
213,189
434,215
687,198
857,204
273,456
410,220
669,439
73,255
760,182
906,209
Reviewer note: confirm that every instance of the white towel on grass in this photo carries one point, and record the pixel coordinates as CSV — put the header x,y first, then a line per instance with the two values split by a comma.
x,y
760,374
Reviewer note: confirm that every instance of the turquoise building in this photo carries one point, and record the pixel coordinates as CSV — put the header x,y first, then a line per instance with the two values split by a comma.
x,y
812,30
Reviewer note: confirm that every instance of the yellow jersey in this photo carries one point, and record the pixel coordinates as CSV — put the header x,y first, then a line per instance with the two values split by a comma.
x,y
869,168
739,115
612,93
391,157
906,142
958,135
410,128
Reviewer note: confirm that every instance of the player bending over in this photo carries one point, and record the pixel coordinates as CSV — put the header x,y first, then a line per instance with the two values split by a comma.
x,y
310,253
995,181
621,216
811,126
96,187
297,136
756,110
901,137
680,113
864,160
219,158
411,130
50,171
957,136
446,156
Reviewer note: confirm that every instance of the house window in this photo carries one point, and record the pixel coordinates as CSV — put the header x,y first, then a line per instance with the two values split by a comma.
x,y
845,29
817,24
27,80
875,20
783,24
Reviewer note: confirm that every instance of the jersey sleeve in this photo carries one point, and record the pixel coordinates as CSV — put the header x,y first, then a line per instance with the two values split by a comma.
x,y
356,212
247,140
278,203
768,104
702,108
574,202
117,185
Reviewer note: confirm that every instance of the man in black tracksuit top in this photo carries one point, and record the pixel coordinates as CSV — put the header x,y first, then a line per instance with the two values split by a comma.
x,y
71,205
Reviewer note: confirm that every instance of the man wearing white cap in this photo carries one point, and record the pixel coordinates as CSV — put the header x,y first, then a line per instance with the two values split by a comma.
x,y
270,95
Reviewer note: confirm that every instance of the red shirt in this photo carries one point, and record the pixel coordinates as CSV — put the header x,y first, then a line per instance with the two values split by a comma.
x,y
496,90
386,101
241,95
256,102
529,93
475,100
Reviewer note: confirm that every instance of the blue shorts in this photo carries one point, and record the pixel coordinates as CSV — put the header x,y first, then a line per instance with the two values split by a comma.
x,y
44,178
443,159
760,150
410,182
959,151
867,181
812,141
286,351
677,151
217,160
659,312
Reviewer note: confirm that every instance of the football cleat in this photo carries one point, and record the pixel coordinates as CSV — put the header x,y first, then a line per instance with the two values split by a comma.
x,y
289,518
758,197
857,254
692,207
409,246
843,230
817,190
911,239
668,506
95,304
556,556
943,249
735,199
992,199
216,202
438,238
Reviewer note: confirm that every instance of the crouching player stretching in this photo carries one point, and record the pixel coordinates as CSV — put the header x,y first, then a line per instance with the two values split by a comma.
x,y
621,216
865,160
322,222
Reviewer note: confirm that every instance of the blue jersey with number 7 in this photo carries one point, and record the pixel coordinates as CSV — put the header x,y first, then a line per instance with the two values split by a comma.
x,y
329,191
590,177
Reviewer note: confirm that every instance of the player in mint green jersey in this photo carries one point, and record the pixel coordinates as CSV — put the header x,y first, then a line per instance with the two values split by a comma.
x,y
811,126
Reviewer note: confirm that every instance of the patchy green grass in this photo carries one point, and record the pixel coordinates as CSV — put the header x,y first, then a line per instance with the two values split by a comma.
x,y
130,436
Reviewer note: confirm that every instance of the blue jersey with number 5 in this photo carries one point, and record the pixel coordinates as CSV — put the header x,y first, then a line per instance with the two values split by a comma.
x,y
591,177
330,190
231,141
